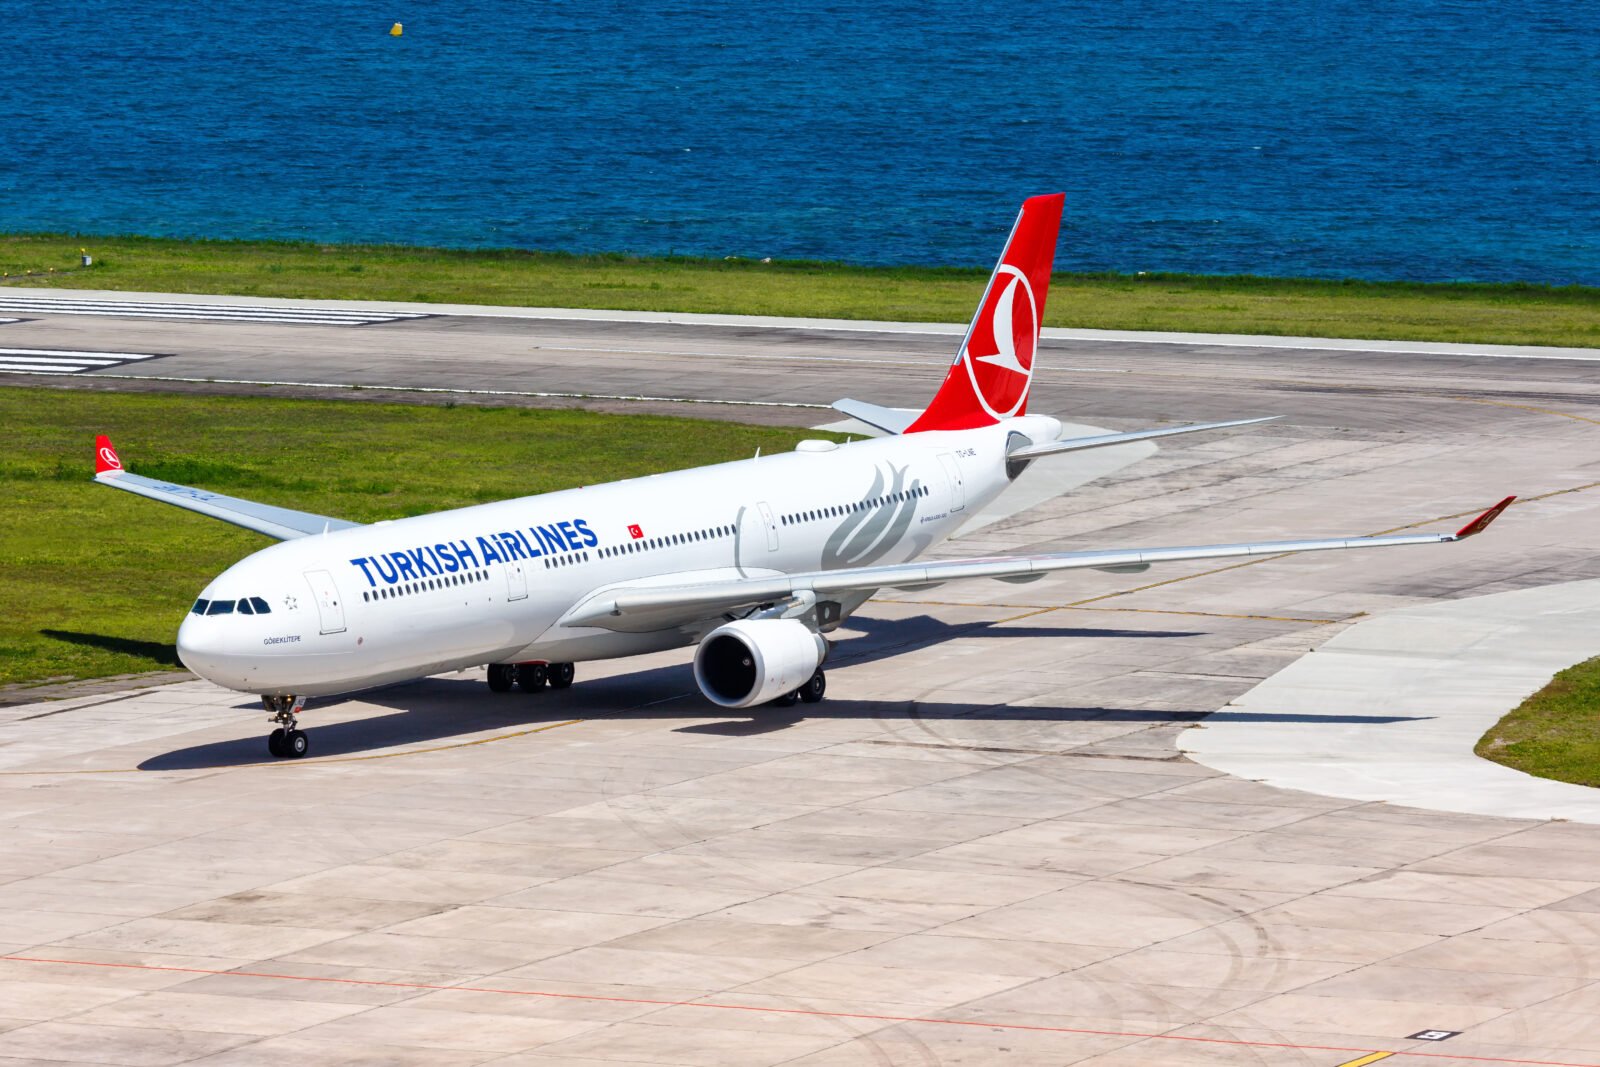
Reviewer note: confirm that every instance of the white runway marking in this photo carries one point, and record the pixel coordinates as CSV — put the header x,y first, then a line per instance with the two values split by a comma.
x,y
63,361
145,309
473,392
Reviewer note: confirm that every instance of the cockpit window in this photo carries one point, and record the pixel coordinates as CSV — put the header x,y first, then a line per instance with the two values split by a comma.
x,y
220,607
245,608
260,606
200,606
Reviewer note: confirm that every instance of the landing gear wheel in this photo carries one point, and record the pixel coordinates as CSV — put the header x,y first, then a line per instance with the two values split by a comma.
x,y
287,740
815,686
560,675
531,677
501,675
785,700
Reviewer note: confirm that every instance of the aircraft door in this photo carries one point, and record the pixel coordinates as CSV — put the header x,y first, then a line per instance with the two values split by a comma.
x,y
330,607
516,580
958,491
771,524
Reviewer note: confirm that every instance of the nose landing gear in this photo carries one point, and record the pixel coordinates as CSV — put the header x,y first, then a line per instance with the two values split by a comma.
x,y
288,741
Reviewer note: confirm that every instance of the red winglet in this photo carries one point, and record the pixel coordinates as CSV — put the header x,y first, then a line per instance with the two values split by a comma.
x,y
105,457
1481,523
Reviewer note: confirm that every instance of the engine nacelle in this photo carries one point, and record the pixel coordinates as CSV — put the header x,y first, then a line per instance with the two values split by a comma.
x,y
753,661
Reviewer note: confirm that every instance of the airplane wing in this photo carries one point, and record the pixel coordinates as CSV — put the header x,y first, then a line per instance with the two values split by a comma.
x,y
282,523
640,609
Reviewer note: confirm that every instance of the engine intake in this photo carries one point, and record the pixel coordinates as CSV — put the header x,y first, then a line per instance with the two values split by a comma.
x,y
753,661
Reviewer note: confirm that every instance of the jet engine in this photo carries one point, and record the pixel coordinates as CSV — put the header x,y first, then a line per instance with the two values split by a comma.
x,y
753,661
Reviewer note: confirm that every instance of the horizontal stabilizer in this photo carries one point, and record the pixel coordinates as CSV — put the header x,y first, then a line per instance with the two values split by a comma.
x,y
1078,444
282,523
889,420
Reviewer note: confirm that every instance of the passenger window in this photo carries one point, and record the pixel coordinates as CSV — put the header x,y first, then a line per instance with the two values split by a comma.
x,y
245,608
220,607
260,606
200,607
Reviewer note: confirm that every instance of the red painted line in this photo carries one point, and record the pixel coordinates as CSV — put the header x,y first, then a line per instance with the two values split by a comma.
x,y
785,1011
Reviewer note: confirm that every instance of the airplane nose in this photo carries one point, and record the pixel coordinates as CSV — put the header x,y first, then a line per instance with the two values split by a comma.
x,y
202,649
191,643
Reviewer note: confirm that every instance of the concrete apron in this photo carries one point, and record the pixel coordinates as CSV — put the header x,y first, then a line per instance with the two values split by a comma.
x,y
1391,708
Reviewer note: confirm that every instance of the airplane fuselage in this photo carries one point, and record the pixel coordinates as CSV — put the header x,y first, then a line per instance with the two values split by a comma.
x,y
355,608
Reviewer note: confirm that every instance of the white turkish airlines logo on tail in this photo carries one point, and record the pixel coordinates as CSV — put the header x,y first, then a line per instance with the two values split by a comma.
x,y
109,458
1014,332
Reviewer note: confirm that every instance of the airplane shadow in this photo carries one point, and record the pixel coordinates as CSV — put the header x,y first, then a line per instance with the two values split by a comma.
x,y
156,650
446,710
879,638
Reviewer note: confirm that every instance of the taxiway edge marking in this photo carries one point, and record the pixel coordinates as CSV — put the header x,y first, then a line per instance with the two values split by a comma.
x,y
815,1013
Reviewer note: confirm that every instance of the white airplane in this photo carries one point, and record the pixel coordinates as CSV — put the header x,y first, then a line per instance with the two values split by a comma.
x,y
751,561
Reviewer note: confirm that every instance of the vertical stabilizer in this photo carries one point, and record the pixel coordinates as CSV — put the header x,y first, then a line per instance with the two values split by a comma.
x,y
994,367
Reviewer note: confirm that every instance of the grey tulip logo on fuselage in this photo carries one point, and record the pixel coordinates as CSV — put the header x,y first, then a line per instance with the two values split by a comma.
x,y
875,525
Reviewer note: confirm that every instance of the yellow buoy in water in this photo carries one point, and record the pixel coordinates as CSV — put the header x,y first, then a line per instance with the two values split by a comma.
x,y
395,30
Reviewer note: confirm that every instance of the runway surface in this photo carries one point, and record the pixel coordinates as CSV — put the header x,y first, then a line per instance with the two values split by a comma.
x,y
985,847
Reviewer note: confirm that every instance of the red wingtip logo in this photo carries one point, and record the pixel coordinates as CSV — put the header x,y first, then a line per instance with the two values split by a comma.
x,y
1481,523
105,457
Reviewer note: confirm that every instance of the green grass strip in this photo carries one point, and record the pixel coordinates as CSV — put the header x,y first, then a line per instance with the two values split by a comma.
x,y
1555,733
1500,314
96,581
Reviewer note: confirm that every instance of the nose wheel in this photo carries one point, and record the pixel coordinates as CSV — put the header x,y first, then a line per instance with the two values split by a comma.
x,y
288,741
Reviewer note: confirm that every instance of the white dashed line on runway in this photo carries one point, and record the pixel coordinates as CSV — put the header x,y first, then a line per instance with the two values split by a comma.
x,y
142,309
63,361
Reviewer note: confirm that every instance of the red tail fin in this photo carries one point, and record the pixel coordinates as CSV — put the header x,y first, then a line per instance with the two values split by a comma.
x,y
990,378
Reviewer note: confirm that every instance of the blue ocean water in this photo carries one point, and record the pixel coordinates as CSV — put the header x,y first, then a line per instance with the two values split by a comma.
x,y
1431,139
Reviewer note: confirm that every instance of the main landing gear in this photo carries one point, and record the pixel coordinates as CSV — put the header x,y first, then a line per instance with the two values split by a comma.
x,y
288,741
811,692
531,677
